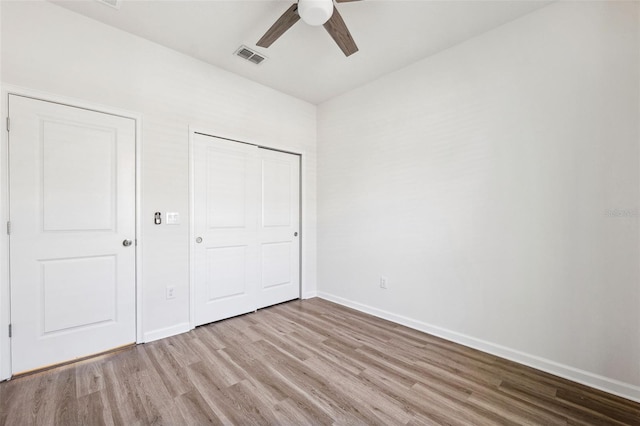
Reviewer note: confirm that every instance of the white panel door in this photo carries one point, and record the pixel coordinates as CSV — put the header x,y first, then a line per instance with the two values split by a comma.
x,y
72,205
278,238
226,185
246,224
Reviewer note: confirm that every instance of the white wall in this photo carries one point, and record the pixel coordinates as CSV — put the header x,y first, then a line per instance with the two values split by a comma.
x,y
479,181
4,290
47,48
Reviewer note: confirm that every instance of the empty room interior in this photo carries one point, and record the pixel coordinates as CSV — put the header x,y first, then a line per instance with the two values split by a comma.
x,y
289,212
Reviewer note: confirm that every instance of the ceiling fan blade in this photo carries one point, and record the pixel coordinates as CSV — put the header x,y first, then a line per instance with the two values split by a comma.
x,y
284,22
338,30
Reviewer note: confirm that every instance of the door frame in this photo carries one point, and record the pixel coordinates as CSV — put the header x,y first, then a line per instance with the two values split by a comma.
x,y
193,130
5,285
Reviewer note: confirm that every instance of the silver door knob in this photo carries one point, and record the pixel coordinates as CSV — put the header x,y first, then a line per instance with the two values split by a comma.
x,y
199,240
127,243
295,234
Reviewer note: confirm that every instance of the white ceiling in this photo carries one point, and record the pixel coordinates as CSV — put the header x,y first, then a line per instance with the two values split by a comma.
x,y
305,62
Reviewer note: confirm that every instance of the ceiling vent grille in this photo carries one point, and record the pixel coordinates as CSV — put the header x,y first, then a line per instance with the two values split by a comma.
x,y
113,3
250,55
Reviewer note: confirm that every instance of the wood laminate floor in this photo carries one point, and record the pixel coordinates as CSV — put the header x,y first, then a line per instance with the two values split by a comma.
x,y
304,362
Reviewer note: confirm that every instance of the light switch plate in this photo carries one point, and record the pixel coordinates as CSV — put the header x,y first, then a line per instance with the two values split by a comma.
x,y
172,218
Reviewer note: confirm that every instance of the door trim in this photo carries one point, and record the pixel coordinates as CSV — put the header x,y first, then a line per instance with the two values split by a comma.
x,y
193,130
5,286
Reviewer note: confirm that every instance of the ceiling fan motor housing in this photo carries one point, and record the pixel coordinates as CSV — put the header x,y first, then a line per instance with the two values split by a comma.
x,y
315,12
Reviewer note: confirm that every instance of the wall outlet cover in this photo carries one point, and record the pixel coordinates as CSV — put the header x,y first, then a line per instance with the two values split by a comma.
x,y
171,292
383,282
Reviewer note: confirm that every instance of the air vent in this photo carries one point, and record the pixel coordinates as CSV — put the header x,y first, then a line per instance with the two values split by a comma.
x,y
256,59
113,3
250,55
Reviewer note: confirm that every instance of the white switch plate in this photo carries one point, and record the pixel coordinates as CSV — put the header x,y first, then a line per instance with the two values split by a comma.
x,y
173,218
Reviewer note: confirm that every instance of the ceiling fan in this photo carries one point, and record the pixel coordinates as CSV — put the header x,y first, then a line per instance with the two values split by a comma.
x,y
313,12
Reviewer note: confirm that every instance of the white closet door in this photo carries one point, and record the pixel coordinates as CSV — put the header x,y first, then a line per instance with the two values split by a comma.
x,y
246,219
72,205
279,228
226,192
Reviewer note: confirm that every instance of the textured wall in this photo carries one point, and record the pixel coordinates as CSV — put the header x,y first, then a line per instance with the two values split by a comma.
x,y
48,48
495,184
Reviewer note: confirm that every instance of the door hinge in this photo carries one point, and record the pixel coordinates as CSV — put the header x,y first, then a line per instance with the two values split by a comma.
x,y
10,331
8,124
8,228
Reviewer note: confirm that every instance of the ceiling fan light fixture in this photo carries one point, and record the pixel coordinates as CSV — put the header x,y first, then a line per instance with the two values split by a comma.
x,y
315,12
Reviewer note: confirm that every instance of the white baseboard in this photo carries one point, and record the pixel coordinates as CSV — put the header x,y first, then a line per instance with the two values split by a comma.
x,y
606,384
161,333
309,295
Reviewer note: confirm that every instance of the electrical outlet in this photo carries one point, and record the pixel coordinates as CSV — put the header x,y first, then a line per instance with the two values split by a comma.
x,y
383,281
171,292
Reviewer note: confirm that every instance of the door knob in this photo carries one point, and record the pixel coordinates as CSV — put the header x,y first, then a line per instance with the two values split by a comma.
x,y
127,243
199,240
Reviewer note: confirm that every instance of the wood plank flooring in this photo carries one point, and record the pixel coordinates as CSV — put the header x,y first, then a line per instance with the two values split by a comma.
x,y
304,362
